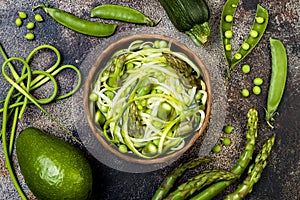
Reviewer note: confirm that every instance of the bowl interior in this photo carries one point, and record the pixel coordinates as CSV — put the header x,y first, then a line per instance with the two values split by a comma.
x,y
101,61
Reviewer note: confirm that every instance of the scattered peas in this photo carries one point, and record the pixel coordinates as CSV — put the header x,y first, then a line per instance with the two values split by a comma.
x,y
216,148
228,129
22,15
258,81
245,92
229,18
260,20
245,46
38,18
30,25
228,34
253,33
18,22
226,141
29,36
246,69
238,56
256,90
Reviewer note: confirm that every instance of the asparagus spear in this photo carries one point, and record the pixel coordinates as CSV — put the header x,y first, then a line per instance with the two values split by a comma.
x,y
169,181
254,173
242,163
198,182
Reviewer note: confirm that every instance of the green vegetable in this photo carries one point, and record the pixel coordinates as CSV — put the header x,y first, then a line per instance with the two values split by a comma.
x,y
251,135
77,24
18,22
199,181
29,36
22,15
162,97
30,25
254,172
172,177
216,148
190,17
18,97
228,129
256,90
258,81
246,69
121,13
38,18
245,92
52,168
278,79
226,141
256,32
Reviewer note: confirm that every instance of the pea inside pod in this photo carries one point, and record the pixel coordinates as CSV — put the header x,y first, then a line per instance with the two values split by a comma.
x,y
121,13
77,24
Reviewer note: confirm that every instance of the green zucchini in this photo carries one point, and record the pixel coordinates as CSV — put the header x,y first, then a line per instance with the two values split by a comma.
x,y
190,17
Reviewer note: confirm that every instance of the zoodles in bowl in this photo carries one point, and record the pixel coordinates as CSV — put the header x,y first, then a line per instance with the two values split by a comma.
x,y
149,99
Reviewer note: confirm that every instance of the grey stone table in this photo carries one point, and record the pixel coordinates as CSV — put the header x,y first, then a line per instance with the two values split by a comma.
x,y
115,179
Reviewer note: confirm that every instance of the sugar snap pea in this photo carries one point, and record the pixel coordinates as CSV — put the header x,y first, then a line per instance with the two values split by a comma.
x,y
78,24
121,13
278,79
258,28
244,159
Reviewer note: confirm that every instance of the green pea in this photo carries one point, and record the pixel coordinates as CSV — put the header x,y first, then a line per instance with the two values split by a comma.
x,y
226,141
228,129
245,92
229,18
256,90
123,148
260,20
93,97
29,36
258,81
228,34
30,25
18,22
246,69
228,47
216,148
253,33
233,5
22,15
38,18
245,46
238,56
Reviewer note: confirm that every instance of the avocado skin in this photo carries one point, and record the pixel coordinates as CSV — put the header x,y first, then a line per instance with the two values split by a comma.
x,y
52,168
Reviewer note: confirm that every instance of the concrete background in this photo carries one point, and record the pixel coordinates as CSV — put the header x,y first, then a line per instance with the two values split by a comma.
x,y
280,179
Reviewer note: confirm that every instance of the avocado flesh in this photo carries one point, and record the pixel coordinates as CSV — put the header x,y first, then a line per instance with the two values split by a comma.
x,y
52,168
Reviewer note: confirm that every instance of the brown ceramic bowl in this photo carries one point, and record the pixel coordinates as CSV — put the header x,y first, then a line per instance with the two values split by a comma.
x,y
89,106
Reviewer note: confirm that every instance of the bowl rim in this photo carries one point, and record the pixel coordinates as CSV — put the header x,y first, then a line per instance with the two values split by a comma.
x,y
97,66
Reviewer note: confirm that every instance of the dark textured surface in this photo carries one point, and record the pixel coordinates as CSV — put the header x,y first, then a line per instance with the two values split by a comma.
x,y
280,179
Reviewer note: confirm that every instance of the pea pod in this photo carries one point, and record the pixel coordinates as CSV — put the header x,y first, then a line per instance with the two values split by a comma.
x,y
258,28
278,78
77,24
121,13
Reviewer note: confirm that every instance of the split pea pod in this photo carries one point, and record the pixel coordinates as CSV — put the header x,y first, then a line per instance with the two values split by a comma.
x,y
257,30
121,13
278,78
78,24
